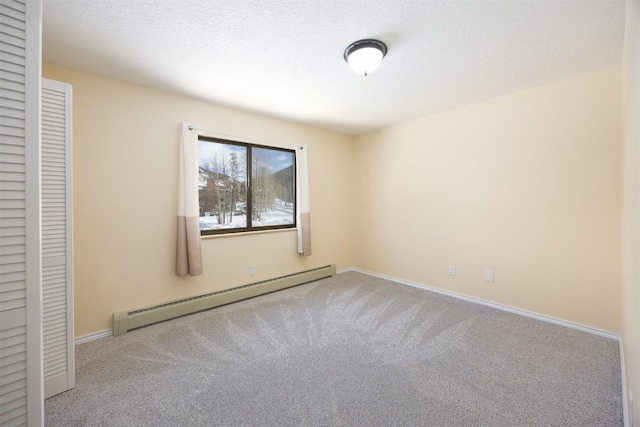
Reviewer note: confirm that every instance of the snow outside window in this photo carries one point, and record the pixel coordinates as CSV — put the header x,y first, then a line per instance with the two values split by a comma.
x,y
245,187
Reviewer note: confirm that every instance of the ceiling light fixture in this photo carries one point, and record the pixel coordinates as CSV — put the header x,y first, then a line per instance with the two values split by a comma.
x,y
364,56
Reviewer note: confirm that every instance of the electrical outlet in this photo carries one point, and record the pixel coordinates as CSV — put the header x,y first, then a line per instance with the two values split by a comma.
x,y
488,276
452,270
252,269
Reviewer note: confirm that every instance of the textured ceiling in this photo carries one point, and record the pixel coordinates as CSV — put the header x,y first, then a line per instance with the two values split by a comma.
x,y
283,58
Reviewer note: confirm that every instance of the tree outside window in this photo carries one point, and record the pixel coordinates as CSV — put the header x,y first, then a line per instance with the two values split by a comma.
x,y
245,187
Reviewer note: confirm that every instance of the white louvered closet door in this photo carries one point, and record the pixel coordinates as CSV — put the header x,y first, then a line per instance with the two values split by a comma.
x,y
20,309
57,241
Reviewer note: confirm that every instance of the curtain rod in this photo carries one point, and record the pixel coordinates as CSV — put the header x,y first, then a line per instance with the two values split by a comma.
x,y
192,127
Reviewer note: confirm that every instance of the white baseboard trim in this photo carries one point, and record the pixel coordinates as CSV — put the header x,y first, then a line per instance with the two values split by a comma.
x,y
625,393
502,307
95,336
109,332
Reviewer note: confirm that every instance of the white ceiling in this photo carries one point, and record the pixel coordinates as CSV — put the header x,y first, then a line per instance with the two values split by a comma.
x,y
283,58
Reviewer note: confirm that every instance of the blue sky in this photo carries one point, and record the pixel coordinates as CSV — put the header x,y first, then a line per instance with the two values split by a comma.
x,y
277,159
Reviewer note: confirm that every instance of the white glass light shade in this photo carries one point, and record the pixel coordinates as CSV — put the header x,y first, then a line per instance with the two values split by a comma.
x,y
365,60
364,56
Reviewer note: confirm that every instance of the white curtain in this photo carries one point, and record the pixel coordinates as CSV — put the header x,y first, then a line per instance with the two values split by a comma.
x,y
189,256
303,205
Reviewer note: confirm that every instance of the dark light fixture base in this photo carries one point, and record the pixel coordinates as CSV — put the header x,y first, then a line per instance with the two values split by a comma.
x,y
377,44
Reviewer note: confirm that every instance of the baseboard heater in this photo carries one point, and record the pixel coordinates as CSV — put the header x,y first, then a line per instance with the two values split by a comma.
x,y
128,320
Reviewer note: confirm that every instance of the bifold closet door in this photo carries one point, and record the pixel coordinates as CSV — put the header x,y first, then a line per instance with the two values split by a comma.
x,y
20,293
57,239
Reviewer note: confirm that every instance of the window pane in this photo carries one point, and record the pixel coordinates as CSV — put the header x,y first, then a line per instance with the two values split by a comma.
x,y
272,187
222,186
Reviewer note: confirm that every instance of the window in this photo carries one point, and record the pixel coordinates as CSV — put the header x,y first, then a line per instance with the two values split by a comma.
x,y
245,187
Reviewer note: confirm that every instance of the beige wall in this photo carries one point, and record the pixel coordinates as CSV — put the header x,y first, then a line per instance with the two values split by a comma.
x,y
527,185
125,168
631,204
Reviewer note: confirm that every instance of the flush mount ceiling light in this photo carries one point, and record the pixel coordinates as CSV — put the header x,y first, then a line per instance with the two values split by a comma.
x,y
364,56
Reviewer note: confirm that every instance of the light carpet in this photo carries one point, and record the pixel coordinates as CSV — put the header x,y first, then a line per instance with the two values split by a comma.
x,y
347,350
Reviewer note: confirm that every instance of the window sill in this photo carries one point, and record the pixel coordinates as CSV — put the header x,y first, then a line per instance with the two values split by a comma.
x,y
247,233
